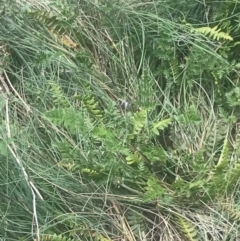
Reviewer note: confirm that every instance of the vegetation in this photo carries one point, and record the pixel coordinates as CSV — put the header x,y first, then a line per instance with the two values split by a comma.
x,y
120,120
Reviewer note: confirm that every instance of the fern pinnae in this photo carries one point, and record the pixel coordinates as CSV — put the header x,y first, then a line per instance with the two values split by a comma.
x,y
55,237
160,125
67,117
58,95
214,33
139,120
217,178
189,229
223,160
174,69
92,106
136,222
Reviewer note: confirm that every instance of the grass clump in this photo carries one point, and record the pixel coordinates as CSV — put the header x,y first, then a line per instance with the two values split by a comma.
x,y
119,121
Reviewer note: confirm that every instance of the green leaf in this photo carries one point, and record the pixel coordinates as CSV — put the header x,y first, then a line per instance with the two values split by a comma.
x,y
139,120
189,229
160,125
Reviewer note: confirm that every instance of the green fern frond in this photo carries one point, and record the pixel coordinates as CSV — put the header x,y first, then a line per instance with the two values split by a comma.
x,y
233,97
67,117
51,21
189,116
213,33
218,178
58,28
89,171
160,125
233,176
139,120
174,69
102,238
154,191
136,222
224,158
91,105
141,167
216,137
58,96
55,237
189,230
134,158
154,153
232,212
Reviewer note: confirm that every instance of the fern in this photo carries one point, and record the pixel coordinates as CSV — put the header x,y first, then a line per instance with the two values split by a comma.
x,y
213,33
233,176
189,230
58,96
67,117
224,159
139,120
145,97
52,21
216,136
55,237
107,138
75,160
233,97
91,105
155,191
189,116
57,26
161,125
231,211
175,69
154,154
64,39
134,158
136,222
80,229
217,178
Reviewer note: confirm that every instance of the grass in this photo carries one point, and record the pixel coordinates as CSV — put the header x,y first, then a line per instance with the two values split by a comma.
x,y
77,165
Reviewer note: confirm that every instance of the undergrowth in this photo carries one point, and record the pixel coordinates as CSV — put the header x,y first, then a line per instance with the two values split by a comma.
x,y
119,120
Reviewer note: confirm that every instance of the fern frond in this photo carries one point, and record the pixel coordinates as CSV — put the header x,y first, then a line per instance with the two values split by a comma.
x,y
189,116
154,190
232,212
224,158
189,230
213,33
134,158
141,167
218,179
58,96
136,222
51,21
233,97
57,28
64,39
174,69
216,136
55,237
67,117
233,176
92,106
160,125
139,120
